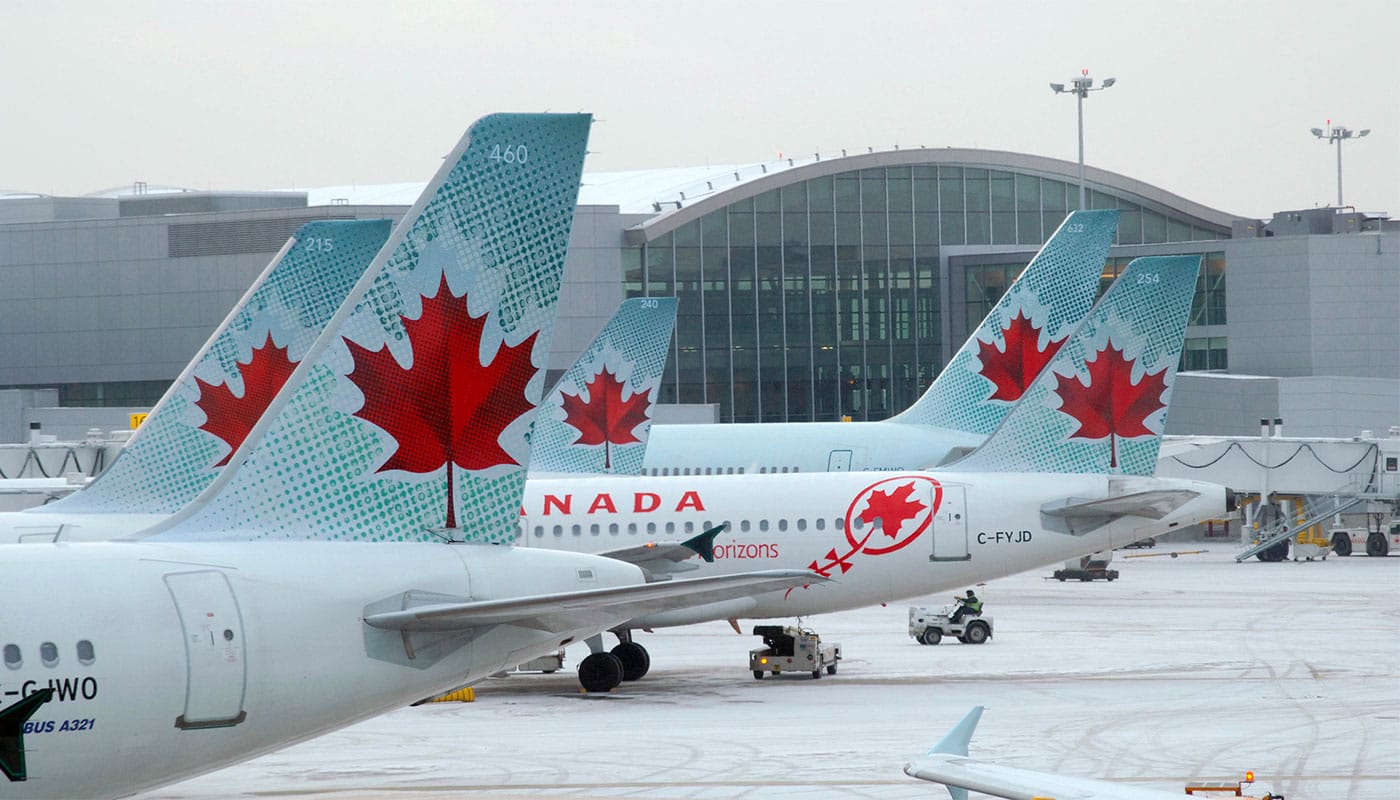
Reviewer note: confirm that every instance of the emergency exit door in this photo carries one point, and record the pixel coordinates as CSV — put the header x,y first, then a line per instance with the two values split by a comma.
x,y
214,650
839,461
950,527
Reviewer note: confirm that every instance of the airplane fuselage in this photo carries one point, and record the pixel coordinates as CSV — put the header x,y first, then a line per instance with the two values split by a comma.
x,y
880,537
169,660
800,447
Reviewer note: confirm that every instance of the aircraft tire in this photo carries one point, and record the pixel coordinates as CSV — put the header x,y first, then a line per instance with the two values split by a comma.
x,y
600,672
636,662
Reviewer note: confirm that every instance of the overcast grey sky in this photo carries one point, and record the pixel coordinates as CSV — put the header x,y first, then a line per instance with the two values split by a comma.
x,y
1214,99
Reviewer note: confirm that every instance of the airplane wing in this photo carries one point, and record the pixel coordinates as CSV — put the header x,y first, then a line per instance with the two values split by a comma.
x,y
566,610
1082,515
948,763
661,560
959,773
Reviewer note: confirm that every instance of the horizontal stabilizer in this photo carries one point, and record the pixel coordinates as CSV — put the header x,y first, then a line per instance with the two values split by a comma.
x,y
1154,504
565,611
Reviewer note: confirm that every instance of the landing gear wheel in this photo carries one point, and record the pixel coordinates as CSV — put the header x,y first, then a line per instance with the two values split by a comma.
x,y
1377,545
635,660
930,636
600,672
976,633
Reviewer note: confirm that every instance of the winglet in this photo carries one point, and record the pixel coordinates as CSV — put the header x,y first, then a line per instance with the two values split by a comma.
x,y
704,543
956,741
12,721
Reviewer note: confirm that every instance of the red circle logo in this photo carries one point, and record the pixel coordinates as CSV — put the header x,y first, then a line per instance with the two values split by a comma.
x,y
898,509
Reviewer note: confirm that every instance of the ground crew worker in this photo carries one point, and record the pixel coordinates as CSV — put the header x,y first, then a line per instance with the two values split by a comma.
x,y
968,606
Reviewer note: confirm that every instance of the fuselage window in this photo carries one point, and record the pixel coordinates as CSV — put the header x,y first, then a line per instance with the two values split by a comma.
x,y
858,523
651,528
796,469
612,529
762,470
744,526
802,523
731,471
577,530
782,524
48,653
821,523
763,525
785,469
558,530
631,528
741,470
685,471
838,524
670,527
690,527
594,529
709,471
539,531
13,660
86,655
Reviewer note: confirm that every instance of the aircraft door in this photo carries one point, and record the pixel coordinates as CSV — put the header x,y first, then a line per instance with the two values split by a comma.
x,y
839,461
214,649
950,527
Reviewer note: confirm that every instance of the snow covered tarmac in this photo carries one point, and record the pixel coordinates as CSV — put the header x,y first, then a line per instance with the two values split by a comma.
x,y
1194,667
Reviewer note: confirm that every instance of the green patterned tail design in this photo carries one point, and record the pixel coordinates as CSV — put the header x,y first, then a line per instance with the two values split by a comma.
x,y
170,459
409,419
597,418
1101,405
1050,298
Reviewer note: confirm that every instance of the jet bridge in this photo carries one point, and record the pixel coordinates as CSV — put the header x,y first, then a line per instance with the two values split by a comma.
x,y
1298,483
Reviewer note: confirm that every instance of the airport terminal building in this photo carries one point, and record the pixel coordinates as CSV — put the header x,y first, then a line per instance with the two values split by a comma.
x,y
810,289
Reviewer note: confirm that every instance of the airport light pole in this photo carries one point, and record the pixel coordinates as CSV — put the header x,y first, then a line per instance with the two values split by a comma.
x,y
1080,88
1337,133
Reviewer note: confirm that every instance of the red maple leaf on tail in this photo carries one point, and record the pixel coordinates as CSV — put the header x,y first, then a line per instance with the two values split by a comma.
x,y
1110,404
448,408
605,418
230,417
1012,370
892,509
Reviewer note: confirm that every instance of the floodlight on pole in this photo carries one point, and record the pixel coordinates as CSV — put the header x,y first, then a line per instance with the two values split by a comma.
x,y
1337,133
1080,89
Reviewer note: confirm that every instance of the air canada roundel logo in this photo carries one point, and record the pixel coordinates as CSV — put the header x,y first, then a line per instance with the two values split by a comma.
x,y
895,512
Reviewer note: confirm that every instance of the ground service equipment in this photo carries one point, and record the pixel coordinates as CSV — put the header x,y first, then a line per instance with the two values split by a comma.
x,y
929,627
792,649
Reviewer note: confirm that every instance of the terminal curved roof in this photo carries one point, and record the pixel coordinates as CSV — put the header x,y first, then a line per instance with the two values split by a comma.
x,y
671,197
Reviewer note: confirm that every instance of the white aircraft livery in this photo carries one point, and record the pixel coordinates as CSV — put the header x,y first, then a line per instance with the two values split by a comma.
x,y
961,407
1067,473
948,763
126,665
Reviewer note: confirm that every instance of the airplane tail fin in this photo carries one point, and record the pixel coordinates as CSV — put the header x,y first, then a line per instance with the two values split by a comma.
x,y
597,418
1022,331
1101,403
409,418
206,413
